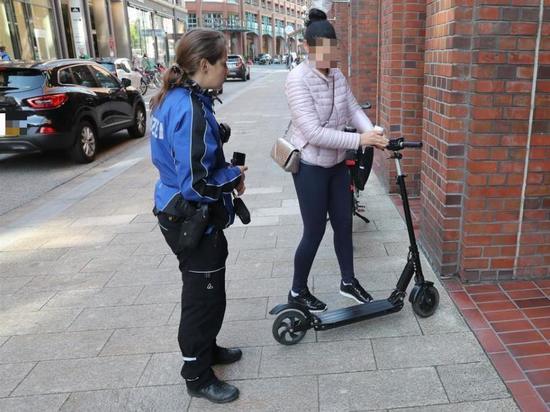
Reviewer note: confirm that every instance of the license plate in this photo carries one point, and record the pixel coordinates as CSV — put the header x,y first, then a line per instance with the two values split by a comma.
x,y
11,128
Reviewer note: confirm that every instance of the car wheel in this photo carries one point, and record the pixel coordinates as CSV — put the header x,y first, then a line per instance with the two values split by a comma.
x,y
143,87
243,77
140,123
85,145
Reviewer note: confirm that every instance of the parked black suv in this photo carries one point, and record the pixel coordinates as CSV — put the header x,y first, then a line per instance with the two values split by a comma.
x,y
65,104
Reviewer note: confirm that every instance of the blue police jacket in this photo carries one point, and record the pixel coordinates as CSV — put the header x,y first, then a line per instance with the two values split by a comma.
x,y
187,151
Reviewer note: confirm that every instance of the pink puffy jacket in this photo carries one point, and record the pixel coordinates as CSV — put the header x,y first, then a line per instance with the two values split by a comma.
x,y
310,97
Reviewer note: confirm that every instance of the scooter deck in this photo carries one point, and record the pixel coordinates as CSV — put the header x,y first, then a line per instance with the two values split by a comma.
x,y
356,313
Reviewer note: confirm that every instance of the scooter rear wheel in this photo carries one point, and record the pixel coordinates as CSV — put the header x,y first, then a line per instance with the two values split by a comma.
x,y
425,301
284,327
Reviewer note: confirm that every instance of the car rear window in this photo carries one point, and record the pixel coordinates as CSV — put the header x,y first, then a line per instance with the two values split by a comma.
x,y
233,58
13,79
109,66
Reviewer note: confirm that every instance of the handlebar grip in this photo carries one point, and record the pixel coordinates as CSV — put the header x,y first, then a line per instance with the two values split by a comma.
x,y
412,144
400,144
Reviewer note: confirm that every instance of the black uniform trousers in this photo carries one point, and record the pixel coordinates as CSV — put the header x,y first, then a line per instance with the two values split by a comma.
x,y
202,300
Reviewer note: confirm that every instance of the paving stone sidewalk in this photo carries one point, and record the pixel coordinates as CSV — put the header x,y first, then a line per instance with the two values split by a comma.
x,y
89,302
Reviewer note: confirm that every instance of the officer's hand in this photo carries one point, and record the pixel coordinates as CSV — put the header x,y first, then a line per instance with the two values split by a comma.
x,y
241,187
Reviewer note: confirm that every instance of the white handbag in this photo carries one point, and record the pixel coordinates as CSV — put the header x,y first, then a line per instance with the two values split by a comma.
x,y
286,155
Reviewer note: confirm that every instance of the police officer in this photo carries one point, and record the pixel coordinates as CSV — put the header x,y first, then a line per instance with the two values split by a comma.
x,y
186,148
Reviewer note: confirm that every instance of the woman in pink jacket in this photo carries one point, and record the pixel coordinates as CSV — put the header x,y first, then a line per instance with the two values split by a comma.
x,y
321,105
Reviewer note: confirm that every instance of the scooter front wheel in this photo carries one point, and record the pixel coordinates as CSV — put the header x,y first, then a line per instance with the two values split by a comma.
x,y
425,301
289,327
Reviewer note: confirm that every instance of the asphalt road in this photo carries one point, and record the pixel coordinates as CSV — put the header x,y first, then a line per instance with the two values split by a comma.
x,y
26,177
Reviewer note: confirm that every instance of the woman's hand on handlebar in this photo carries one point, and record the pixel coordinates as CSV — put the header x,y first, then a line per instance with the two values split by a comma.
x,y
376,138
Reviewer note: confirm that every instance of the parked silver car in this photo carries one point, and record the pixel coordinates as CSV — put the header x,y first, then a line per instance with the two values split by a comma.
x,y
122,68
237,67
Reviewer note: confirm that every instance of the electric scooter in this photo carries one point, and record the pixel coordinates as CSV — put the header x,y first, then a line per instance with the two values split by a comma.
x,y
294,320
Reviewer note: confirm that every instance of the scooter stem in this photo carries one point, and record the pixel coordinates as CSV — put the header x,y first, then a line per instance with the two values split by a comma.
x,y
408,219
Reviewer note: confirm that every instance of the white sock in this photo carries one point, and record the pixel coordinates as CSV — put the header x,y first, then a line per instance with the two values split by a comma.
x,y
347,284
294,294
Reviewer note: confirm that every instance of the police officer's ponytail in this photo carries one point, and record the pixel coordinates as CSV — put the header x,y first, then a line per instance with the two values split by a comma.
x,y
193,46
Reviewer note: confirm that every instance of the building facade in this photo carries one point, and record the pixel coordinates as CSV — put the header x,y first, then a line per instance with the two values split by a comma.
x,y
30,29
47,29
252,27
471,80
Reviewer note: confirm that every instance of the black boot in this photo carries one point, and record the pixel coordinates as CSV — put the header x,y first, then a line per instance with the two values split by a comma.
x,y
225,356
217,391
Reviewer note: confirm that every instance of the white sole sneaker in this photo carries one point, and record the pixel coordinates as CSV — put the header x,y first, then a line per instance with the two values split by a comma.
x,y
347,295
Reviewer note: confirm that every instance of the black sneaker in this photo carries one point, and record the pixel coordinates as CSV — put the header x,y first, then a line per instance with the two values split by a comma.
x,y
305,298
355,291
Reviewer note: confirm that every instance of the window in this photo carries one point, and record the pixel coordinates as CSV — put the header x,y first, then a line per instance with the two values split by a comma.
x,y
233,21
83,77
109,66
104,79
124,66
213,20
20,79
64,76
191,20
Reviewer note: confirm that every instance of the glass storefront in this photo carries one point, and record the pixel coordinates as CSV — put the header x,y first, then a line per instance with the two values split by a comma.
x,y
153,34
27,29
164,33
142,39
180,30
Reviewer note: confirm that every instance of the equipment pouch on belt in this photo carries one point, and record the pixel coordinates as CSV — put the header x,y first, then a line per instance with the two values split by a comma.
x,y
193,227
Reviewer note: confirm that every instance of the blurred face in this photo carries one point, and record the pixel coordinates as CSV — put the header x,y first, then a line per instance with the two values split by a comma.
x,y
214,74
324,54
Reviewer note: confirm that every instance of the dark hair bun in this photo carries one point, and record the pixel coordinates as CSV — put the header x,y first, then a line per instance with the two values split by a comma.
x,y
316,15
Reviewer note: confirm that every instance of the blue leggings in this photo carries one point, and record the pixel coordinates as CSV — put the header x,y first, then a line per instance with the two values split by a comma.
x,y
321,190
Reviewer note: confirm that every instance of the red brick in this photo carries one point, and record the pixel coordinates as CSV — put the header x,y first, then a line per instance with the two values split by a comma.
x,y
506,366
529,349
489,340
510,326
504,315
539,377
534,362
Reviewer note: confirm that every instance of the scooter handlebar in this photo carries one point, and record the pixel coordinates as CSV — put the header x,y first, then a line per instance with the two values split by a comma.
x,y
400,144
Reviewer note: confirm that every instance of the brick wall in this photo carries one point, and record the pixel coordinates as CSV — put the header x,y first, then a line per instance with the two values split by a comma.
x,y
401,82
534,245
458,75
358,21
356,25
446,121
479,68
